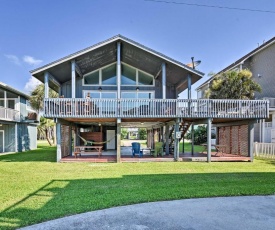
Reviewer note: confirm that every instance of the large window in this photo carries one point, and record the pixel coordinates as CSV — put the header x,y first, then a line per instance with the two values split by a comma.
x,y
137,95
102,76
130,76
133,76
100,94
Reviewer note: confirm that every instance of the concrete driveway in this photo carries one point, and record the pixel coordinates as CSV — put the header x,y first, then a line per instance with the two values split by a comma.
x,y
247,212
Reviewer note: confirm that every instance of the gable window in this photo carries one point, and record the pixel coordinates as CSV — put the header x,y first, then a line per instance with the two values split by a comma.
x,y
103,76
133,76
100,95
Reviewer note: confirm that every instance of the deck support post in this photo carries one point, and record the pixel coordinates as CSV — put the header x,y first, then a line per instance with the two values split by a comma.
x,y
118,133
46,83
192,139
163,67
118,69
263,131
58,141
73,78
250,140
209,122
167,139
70,140
176,142
189,82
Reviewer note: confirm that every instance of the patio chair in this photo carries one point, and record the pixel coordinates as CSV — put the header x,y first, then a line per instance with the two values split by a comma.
x,y
158,149
136,149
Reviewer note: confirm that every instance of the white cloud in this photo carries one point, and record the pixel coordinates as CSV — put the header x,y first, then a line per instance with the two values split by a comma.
x,y
14,59
31,84
31,60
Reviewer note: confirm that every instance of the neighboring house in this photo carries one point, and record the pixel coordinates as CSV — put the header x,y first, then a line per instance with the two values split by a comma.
x,y
260,62
119,83
18,122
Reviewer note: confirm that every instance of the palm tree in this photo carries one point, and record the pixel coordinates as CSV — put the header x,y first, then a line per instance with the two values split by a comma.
x,y
37,103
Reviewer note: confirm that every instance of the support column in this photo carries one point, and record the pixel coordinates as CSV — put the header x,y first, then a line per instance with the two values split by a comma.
x,y
263,131
16,138
176,142
118,133
189,86
118,69
192,139
250,140
73,78
209,122
58,142
163,67
46,82
167,139
70,141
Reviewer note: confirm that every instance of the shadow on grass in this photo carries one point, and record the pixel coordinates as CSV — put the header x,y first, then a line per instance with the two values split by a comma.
x,y
60,198
43,154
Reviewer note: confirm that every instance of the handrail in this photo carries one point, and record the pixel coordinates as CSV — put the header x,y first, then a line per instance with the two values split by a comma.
x,y
9,114
154,108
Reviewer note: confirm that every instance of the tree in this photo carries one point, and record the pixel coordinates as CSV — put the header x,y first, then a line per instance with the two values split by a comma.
x,y
233,85
200,135
142,132
45,127
37,97
37,103
124,133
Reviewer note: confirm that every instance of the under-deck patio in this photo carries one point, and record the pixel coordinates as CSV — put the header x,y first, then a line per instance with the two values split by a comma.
x,y
126,157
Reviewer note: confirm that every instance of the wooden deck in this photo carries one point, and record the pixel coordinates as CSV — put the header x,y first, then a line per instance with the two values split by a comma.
x,y
197,157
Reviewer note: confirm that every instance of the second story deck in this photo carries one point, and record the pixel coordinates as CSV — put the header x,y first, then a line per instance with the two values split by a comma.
x,y
154,108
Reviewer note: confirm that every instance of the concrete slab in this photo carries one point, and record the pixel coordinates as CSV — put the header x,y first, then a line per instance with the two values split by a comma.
x,y
227,213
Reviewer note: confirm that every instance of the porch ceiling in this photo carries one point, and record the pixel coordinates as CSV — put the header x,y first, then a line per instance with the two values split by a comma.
x,y
132,53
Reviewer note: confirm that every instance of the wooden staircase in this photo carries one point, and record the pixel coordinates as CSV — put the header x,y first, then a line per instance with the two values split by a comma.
x,y
183,128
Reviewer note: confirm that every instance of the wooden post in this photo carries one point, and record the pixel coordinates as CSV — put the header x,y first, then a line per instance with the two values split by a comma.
x,y
192,133
46,83
250,140
58,142
70,140
163,80
209,121
176,142
167,139
118,133
73,78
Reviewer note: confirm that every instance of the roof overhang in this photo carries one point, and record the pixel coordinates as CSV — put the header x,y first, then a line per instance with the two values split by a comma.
x,y
105,53
13,90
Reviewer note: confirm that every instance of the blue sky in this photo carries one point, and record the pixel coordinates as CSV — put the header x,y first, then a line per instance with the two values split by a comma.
x,y
36,32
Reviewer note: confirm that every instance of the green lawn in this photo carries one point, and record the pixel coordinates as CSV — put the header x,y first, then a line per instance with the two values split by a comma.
x,y
34,188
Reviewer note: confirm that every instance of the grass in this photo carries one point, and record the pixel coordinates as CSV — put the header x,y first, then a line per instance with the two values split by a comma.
x,y
34,188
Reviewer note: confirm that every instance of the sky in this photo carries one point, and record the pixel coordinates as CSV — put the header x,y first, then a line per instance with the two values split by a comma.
x,y
36,32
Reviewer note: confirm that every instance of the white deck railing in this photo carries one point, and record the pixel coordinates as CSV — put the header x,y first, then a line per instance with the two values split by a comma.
x,y
150,108
271,102
9,114
264,150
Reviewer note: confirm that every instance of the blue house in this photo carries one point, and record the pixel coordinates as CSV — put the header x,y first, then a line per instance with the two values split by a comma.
x,y
18,122
119,83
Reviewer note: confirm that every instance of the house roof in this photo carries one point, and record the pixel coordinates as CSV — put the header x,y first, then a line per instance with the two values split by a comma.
x,y
104,53
241,60
13,90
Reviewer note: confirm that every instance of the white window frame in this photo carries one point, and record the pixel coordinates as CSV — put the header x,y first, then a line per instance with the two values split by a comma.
x,y
100,76
100,93
137,92
137,77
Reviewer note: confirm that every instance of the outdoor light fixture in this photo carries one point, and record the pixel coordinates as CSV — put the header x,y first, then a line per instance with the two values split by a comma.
x,y
99,88
259,75
99,124
141,123
137,88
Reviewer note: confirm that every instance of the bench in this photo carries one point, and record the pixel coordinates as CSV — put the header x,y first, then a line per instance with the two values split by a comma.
x,y
78,150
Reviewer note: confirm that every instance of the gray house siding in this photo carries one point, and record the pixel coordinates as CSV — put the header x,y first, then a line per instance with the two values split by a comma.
x,y
263,64
9,137
32,131
23,108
